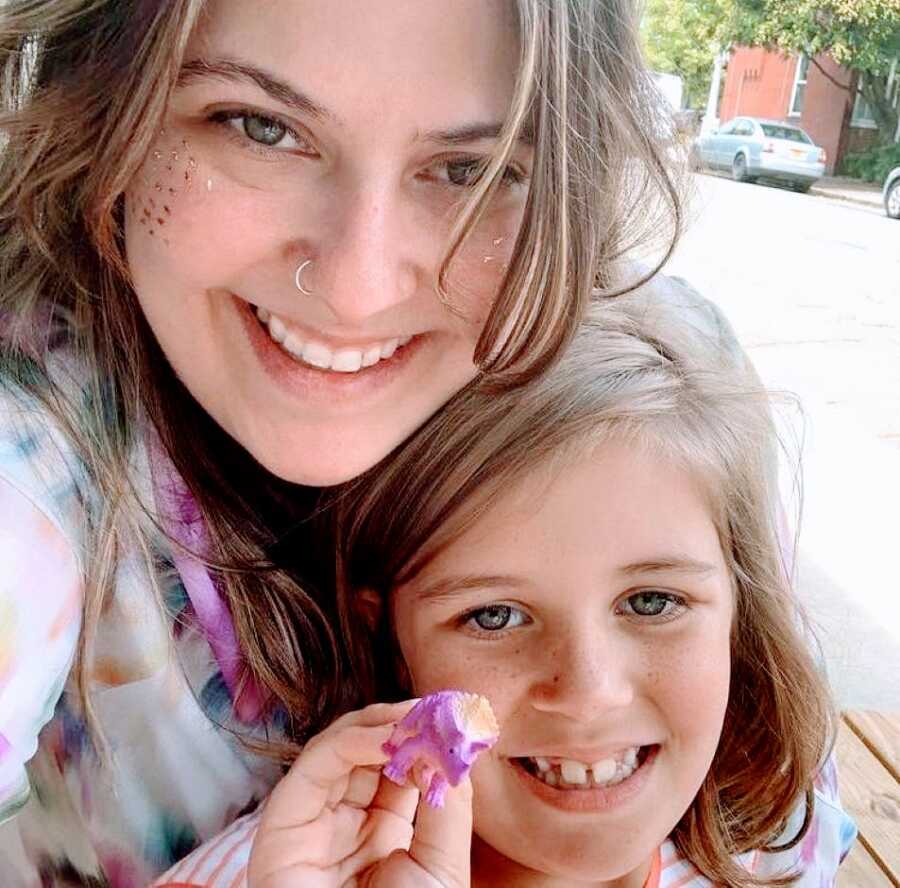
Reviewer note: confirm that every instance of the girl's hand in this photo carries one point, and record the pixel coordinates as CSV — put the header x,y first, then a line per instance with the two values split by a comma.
x,y
334,821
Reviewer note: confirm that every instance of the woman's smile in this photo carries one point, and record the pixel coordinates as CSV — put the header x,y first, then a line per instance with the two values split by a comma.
x,y
314,368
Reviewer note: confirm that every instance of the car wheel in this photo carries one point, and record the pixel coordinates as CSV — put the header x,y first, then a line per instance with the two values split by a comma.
x,y
892,201
801,187
739,168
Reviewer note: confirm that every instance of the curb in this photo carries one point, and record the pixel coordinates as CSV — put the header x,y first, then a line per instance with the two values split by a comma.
x,y
834,195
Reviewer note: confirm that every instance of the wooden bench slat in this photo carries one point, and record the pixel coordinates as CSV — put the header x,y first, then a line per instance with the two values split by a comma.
x,y
880,731
871,796
859,870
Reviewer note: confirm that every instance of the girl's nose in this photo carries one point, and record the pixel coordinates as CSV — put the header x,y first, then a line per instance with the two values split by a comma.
x,y
366,264
584,676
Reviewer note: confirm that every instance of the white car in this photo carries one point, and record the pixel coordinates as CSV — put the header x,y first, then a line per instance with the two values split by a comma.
x,y
751,148
891,193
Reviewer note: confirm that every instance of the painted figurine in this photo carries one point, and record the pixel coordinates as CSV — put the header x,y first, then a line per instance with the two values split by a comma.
x,y
437,742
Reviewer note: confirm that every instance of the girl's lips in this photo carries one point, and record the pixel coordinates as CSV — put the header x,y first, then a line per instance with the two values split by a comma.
x,y
592,800
309,383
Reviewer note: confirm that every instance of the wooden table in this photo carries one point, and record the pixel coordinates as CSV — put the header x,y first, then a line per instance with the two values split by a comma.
x,y
868,751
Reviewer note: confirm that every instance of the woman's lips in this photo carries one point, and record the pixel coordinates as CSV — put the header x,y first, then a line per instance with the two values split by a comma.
x,y
331,386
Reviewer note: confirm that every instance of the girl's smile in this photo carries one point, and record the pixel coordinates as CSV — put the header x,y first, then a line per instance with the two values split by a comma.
x,y
595,783
592,605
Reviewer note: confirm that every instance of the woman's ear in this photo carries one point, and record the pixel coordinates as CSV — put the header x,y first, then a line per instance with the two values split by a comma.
x,y
369,606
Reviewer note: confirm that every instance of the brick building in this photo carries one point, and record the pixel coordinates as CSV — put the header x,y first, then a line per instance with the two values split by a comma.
x,y
761,83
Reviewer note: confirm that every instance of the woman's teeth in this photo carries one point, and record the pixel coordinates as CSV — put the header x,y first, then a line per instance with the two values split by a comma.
x,y
321,356
568,773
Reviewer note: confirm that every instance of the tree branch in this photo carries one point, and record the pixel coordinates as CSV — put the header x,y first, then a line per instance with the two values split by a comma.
x,y
827,76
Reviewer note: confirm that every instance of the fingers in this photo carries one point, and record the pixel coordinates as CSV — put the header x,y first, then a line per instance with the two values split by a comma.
x,y
399,800
442,840
323,770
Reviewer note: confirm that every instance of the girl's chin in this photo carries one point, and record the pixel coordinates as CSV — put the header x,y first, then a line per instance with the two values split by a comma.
x,y
574,862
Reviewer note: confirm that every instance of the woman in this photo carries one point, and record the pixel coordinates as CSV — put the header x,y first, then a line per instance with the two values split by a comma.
x,y
245,248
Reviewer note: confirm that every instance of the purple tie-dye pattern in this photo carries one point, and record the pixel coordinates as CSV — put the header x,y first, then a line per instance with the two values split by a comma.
x,y
184,523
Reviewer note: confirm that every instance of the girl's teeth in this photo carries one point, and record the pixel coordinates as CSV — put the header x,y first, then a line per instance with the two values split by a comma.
x,y
317,354
604,771
573,772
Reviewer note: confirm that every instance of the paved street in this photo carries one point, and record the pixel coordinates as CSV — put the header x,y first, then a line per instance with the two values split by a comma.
x,y
812,287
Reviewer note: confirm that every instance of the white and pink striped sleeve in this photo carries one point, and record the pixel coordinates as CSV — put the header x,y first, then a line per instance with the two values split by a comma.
x,y
219,863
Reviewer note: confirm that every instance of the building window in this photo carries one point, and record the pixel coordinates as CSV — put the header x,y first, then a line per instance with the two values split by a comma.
x,y
795,109
862,115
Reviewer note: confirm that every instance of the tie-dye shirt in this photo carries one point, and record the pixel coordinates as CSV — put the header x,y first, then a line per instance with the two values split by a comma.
x,y
176,781
161,682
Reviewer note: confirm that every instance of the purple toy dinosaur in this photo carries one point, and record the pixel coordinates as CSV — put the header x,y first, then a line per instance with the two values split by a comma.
x,y
438,741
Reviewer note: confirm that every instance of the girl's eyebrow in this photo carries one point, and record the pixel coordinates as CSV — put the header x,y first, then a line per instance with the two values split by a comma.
x,y
236,70
666,564
447,587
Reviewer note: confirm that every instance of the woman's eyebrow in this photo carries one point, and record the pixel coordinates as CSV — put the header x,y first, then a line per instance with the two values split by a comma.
x,y
472,133
447,587
236,70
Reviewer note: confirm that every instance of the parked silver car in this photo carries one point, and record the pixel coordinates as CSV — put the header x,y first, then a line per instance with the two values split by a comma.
x,y
752,148
891,193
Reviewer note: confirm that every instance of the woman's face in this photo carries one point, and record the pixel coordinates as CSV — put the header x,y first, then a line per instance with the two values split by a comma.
x,y
341,137
594,611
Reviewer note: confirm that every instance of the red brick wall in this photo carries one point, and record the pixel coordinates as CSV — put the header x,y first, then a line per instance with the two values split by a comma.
x,y
825,108
758,83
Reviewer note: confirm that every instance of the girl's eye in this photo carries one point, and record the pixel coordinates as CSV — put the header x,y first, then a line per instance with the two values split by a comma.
x,y
654,604
494,618
465,172
267,132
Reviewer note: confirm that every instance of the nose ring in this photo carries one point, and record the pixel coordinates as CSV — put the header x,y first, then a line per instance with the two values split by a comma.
x,y
298,274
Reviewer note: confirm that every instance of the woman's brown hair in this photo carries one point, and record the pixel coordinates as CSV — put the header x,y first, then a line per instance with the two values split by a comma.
x,y
663,373
84,91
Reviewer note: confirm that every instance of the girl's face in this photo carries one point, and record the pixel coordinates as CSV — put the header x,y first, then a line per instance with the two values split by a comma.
x,y
594,610
326,145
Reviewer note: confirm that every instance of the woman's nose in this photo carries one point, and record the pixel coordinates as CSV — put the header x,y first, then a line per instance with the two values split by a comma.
x,y
585,675
366,264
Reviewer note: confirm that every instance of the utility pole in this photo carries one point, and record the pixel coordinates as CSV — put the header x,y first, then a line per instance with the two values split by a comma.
x,y
711,118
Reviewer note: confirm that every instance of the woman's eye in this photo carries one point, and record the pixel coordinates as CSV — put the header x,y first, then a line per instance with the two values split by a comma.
x,y
465,172
264,130
267,132
654,604
495,617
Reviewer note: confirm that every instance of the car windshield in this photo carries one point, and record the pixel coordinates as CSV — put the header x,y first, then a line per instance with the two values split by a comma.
x,y
785,132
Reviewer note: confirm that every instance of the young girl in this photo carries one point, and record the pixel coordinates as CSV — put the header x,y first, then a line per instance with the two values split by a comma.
x,y
598,554
246,247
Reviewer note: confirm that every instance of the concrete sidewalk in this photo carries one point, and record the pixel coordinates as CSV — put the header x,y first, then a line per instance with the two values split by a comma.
x,y
851,190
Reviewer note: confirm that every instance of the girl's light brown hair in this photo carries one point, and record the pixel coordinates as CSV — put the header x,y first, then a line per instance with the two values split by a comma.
x,y
658,373
84,91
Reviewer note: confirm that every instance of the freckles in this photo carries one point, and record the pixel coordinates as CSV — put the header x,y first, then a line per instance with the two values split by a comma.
x,y
167,174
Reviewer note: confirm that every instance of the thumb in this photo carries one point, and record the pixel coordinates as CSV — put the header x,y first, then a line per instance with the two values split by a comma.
x,y
442,840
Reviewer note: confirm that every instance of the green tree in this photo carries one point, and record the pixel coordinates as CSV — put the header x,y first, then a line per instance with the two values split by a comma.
x,y
861,35
682,37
